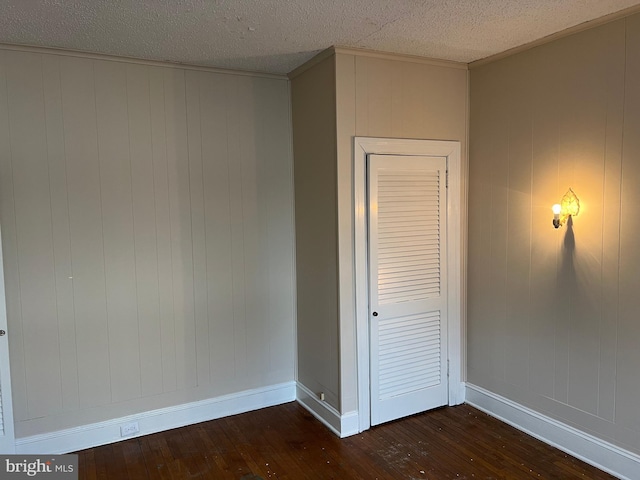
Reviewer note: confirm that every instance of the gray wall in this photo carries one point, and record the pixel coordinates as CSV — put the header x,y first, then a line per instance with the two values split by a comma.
x,y
314,151
553,314
147,223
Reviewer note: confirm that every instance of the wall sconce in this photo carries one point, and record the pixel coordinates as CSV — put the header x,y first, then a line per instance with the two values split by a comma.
x,y
569,206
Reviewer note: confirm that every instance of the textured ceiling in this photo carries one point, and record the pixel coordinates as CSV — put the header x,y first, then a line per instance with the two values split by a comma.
x,y
278,35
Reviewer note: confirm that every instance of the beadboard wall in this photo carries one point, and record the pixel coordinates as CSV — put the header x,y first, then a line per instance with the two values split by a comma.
x,y
314,147
147,224
553,314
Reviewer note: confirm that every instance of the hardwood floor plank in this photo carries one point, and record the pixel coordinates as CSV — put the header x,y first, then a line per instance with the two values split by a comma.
x,y
287,443
115,465
101,455
87,463
236,466
153,455
470,448
132,452
215,457
258,432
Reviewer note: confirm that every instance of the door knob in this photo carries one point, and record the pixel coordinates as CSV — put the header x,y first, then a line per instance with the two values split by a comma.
x,y
375,314
2,333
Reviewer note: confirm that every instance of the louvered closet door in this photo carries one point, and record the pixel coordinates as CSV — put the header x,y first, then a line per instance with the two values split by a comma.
x,y
407,268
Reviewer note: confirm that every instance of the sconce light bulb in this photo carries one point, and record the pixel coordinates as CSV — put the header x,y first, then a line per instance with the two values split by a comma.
x,y
556,215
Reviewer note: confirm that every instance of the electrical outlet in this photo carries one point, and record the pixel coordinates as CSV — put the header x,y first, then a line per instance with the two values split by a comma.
x,y
129,429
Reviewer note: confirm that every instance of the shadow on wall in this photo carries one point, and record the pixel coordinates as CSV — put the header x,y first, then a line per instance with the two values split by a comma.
x,y
568,255
569,240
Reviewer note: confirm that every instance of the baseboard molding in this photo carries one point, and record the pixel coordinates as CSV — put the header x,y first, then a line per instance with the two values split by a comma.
x,y
342,425
87,436
599,453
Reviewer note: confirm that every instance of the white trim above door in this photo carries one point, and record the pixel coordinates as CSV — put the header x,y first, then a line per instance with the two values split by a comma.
x,y
450,150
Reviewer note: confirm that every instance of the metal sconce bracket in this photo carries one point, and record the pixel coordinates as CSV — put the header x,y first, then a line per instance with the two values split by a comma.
x,y
569,206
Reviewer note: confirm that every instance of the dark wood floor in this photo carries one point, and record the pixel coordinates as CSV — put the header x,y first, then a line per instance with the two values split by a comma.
x,y
286,442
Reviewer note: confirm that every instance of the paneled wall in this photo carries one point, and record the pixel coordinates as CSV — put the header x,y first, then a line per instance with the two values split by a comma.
x,y
147,227
314,151
553,314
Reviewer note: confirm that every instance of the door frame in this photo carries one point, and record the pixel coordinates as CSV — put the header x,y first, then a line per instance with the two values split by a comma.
x,y
364,146
7,442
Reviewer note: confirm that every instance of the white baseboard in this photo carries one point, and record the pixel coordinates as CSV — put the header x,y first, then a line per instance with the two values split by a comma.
x,y
349,423
342,425
87,436
599,453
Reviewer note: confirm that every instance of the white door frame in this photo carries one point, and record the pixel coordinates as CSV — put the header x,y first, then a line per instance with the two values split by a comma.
x,y
7,439
364,146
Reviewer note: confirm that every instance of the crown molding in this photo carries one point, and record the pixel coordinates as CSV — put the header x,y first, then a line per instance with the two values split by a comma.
x,y
362,52
401,57
133,60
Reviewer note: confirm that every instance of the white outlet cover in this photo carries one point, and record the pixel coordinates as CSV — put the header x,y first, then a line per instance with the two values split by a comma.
x,y
129,429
